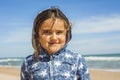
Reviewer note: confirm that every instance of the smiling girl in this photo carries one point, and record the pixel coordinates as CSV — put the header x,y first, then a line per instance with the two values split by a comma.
x,y
51,60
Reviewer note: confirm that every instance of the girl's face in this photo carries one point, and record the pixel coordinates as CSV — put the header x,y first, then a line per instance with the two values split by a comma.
x,y
52,35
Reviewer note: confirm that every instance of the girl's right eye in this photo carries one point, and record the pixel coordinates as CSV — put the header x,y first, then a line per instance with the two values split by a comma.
x,y
47,32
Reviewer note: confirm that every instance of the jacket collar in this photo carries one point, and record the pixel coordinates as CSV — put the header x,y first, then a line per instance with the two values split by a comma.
x,y
45,56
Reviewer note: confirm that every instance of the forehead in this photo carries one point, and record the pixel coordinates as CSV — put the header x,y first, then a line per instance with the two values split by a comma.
x,y
53,24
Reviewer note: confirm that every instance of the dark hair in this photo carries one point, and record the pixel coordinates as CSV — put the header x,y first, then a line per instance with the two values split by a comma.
x,y
40,18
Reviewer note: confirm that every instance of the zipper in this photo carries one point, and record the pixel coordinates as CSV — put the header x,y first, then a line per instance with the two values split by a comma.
x,y
51,67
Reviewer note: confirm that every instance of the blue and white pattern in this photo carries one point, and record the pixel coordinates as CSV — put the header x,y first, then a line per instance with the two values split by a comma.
x,y
64,65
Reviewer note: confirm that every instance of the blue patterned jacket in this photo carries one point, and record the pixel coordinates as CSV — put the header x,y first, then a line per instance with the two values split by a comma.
x,y
63,65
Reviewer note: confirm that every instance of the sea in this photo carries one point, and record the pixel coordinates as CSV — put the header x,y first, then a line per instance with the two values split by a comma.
x,y
104,61
98,61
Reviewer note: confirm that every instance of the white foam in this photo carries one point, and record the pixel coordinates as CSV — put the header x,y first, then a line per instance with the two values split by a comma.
x,y
8,59
103,58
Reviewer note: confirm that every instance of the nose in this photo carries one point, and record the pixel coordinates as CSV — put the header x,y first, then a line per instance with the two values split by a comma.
x,y
53,36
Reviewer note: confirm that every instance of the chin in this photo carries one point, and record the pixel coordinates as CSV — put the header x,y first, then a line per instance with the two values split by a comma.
x,y
52,52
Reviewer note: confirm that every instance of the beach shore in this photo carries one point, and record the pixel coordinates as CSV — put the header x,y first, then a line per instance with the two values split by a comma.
x,y
104,74
9,73
12,73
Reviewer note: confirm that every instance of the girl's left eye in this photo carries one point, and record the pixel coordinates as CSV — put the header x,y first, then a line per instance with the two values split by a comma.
x,y
59,32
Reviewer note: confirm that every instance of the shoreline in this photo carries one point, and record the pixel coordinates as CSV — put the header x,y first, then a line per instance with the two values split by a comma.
x,y
13,73
111,70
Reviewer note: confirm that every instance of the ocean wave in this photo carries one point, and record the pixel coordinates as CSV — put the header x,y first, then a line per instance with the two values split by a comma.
x,y
103,58
8,60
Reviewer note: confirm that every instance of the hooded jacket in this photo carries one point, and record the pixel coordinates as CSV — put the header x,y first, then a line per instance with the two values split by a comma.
x,y
63,65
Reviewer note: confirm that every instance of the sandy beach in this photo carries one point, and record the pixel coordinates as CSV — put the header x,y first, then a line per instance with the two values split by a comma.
x,y
12,73
9,73
104,75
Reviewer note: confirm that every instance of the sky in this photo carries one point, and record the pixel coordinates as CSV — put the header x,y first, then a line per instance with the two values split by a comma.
x,y
95,25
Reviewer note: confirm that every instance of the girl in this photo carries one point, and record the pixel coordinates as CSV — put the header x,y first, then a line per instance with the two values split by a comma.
x,y
51,60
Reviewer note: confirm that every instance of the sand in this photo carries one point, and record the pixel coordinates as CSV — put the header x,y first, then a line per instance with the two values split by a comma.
x,y
12,73
104,75
9,73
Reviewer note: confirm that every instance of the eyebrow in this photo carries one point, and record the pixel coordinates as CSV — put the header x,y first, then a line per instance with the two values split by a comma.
x,y
51,29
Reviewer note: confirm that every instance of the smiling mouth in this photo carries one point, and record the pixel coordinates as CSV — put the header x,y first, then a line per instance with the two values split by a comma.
x,y
53,43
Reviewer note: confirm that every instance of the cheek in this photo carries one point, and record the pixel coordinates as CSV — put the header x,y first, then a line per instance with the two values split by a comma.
x,y
44,39
62,38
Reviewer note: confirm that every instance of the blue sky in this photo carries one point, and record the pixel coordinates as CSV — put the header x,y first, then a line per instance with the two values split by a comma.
x,y
96,25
